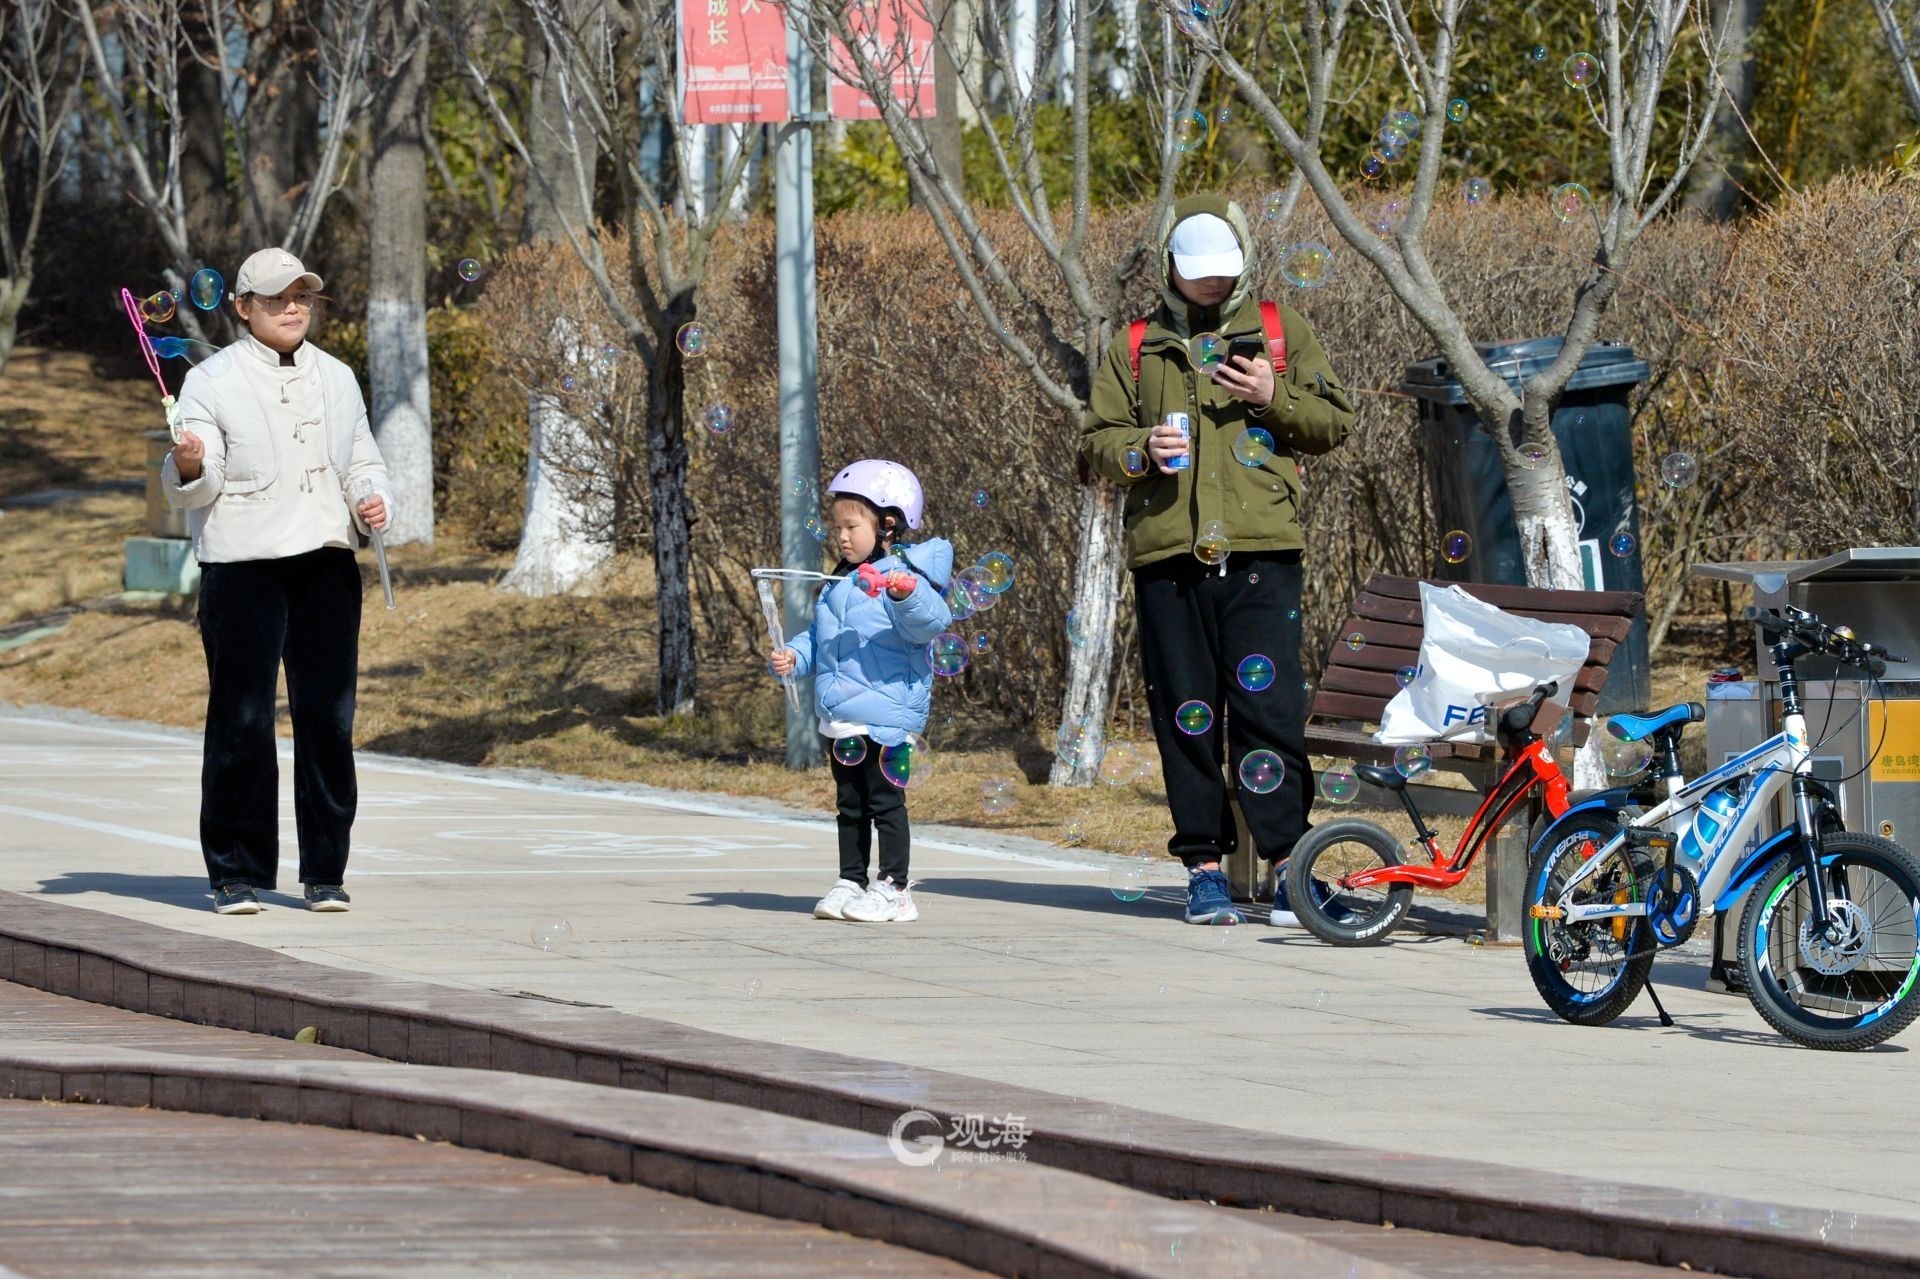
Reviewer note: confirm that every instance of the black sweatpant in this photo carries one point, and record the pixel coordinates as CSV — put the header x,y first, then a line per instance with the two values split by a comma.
x,y
304,609
1196,627
867,802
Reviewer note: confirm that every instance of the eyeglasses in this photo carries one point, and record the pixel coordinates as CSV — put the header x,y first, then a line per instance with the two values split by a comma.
x,y
304,299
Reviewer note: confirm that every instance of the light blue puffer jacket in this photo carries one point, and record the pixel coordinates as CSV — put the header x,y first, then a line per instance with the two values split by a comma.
x,y
868,656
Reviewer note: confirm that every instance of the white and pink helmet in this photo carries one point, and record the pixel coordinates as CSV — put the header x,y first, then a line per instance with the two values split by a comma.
x,y
884,484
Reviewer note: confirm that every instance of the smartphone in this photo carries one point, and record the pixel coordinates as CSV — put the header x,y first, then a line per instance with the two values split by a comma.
x,y
1250,348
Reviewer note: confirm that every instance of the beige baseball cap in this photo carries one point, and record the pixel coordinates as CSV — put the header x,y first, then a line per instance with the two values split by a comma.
x,y
271,271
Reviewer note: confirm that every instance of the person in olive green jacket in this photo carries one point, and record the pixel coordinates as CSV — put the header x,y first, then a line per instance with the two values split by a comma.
x,y
1214,538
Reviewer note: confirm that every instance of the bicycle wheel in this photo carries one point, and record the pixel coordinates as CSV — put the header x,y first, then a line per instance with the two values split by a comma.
x,y
1588,972
1856,986
1346,916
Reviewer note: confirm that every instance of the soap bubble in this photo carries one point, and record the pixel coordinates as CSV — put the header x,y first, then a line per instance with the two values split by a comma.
x,y
1209,8
980,499
1356,641
997,570
159,308
1223,116
691,339
720,418
1076,630
1120,763
958,603
469,270
1190,131
1207,350
817,528
1455,547
982,643
1339,785
1405,121
1134,463
609,354
205,288
1475,192
1538,54
996,796
568,383
550,932
1262,772
1457,110
1077,745
1679,470
1532,454
1074,834
1570,200
1128,881
1275,205
1412,760
1307,265
909,763
947,654
1623,758
1406,675
1194,717
975,582
1256,672
850,750
1621,544
1254,446
1211,546
1373,166
1581,70
1392,216
1391,146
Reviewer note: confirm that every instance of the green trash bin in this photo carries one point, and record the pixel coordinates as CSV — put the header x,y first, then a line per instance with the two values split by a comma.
x,y
1594,430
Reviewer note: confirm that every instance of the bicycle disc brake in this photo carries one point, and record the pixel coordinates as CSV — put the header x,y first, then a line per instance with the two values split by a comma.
x,y
1838,949
1673,905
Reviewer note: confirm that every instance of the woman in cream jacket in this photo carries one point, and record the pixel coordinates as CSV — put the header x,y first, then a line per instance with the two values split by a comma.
x,y
274,438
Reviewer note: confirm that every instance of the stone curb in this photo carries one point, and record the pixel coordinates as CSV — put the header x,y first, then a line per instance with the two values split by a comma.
x,y
1015,1219
141,967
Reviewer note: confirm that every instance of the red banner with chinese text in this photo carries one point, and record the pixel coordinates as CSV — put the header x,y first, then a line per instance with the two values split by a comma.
x,y
732,62
896,37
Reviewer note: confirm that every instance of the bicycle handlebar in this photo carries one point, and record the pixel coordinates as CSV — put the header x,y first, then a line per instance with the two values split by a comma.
x,y
1844,647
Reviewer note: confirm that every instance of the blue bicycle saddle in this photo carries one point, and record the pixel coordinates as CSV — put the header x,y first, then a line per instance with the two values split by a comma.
x,y
1632,728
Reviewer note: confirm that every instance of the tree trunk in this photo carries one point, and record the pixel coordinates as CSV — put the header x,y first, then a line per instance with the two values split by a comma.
x,y
13,296
203,148
1715,182
944,131
283,119
672,517
552,147
1096,602
564,542
396,278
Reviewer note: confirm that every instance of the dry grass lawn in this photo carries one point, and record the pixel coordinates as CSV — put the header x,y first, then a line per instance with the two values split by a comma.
x,y
462,671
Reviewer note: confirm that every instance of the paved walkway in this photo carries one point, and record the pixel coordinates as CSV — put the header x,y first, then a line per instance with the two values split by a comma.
x,y
1024,969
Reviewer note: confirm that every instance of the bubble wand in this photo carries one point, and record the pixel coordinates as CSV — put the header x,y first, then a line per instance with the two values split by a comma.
x,y
132,308
362,490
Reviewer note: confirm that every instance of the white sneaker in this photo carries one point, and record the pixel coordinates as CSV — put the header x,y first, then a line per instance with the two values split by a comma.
x,y
884,904
834,905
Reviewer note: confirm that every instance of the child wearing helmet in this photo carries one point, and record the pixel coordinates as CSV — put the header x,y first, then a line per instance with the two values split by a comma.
x,y
872,682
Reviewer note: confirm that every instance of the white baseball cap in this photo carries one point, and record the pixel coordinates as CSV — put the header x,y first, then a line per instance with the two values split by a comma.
x,y
1204,245
271,271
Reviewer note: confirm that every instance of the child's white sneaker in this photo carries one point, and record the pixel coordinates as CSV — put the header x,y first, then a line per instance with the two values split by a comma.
x,y
884,904
842,895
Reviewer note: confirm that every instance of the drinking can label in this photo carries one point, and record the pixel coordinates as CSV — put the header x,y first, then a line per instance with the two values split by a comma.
x,y
1184,424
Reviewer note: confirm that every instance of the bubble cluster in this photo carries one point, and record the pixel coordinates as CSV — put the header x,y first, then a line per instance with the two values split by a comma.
x,y
469,269
1412,760
1455,547
1475,191
1194,717
1679,470
550,932
1211,546
996,796
850,750
1339,784
1582,70
1262,772
1307,265
1256,672
205,288
720,418
1570,201
948,655
1190,131
691,339
1253,447
1621,544
907,764
1457,110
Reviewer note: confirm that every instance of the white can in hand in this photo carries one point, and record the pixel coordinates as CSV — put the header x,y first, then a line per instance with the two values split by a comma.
x,y
1183,424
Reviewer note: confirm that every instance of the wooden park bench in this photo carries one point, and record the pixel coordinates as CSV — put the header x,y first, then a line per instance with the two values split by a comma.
x,y
1356,685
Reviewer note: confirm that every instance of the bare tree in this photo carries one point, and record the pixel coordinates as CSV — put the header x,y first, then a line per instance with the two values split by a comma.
x,y
1902,31
600,60
1715,185
37,82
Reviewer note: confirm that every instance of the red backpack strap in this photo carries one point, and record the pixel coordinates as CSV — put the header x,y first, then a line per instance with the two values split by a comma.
x,y
1136,334
1276,338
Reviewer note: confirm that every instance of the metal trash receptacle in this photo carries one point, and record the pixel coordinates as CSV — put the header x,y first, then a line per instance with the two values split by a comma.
x,y
1866,737
1593,427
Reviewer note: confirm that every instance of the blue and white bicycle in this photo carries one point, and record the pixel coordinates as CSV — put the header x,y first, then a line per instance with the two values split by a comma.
x,y
1830,938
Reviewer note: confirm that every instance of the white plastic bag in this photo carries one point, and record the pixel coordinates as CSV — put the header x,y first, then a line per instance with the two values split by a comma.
x,y
1471,654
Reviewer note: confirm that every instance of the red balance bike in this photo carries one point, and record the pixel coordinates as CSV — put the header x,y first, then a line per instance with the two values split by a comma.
x,y
1346,880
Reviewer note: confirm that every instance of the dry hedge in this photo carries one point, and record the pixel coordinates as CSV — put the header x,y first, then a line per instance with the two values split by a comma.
x,y
1729,319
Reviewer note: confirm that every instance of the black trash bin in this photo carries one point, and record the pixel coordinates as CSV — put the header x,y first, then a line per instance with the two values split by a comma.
x,y
1469,486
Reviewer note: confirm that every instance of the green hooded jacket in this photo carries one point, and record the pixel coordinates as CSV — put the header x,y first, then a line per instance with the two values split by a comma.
x,y
1258,507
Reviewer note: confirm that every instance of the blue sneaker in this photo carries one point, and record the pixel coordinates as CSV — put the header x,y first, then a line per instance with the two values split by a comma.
x,y
1209,898
1283,915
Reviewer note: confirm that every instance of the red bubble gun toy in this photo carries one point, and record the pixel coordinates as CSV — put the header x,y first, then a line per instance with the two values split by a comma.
x,y
871,580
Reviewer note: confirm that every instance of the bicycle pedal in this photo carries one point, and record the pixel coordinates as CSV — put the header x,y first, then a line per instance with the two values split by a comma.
x,y
1651,838
1540,910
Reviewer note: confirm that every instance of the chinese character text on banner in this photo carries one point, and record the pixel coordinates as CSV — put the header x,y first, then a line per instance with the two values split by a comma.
x,y
733,61
896,37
